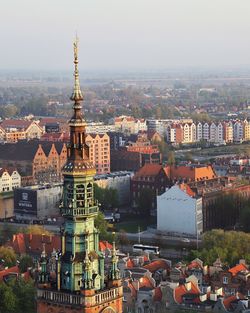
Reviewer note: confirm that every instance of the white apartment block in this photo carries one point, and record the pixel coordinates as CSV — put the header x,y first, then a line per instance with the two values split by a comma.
x,y
99,128
238,131
205,132
199,135
130,125
179,212
9,180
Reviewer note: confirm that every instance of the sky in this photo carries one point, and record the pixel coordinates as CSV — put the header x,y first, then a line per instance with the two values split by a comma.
x,y
124,34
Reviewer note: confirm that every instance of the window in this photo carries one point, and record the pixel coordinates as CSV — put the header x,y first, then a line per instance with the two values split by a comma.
x,y
225,280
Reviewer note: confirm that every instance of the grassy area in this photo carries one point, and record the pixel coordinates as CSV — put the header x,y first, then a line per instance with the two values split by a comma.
x,y
131,223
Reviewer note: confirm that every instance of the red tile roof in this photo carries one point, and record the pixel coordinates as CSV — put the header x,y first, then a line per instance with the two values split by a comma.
x,y
227,301
157,265
181,290
149,170
8,271
103,245
29,243
145,282
238,268
187,189
192,173
194,264
12,123
157,294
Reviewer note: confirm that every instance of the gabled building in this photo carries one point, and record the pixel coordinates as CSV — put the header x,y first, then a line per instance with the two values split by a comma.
x,y
10,179
14,130
179,211
152,177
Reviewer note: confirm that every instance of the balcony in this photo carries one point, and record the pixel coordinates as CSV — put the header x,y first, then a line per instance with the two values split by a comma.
x,y
60,297
80,211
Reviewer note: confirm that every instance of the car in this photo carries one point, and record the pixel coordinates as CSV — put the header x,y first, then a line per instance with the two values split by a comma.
x,y
186,240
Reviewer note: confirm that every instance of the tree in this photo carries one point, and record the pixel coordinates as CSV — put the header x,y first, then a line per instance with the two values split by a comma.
x,y
36,230
144,201
107,197
8,301
26,261
229,246
102,226
24,292
8,256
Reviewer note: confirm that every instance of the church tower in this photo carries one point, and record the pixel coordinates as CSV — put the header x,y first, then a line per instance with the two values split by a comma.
x,y
81,284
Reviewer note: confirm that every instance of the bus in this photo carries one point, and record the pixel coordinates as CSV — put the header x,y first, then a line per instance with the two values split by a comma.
x,y
145,248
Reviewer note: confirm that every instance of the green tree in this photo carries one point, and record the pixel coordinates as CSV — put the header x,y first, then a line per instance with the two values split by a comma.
x,y
24,292
107,197
102,226
8,301
8,255
144,201
229,246
26,261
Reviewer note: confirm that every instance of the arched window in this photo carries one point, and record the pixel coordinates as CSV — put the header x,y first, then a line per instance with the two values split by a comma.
x,y
80,196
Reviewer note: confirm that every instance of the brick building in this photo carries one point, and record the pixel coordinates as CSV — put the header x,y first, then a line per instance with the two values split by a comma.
x,y
150,176
135,155
212,191
38,161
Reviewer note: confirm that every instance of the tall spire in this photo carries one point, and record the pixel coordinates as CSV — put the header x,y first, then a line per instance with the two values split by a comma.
x,y
77,94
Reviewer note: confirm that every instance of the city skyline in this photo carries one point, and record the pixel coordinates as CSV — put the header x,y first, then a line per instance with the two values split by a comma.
x,y
118,35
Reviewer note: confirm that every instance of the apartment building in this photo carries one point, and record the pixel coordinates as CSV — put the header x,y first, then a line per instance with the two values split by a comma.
x,y
13,130
228,132
99,152
36,162
129,124
10,179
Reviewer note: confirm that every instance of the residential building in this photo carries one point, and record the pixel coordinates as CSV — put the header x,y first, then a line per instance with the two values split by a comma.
x,y
39,161
190,172
174,134
14,130
238,131
199,131
228,132
54,124
120,181
179,211
99,128
135,155
130,125
10,179
212,191
206,132
150,177
99,152
246,130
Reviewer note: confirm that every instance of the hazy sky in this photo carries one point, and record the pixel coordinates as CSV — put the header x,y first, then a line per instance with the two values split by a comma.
x,y
124,34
